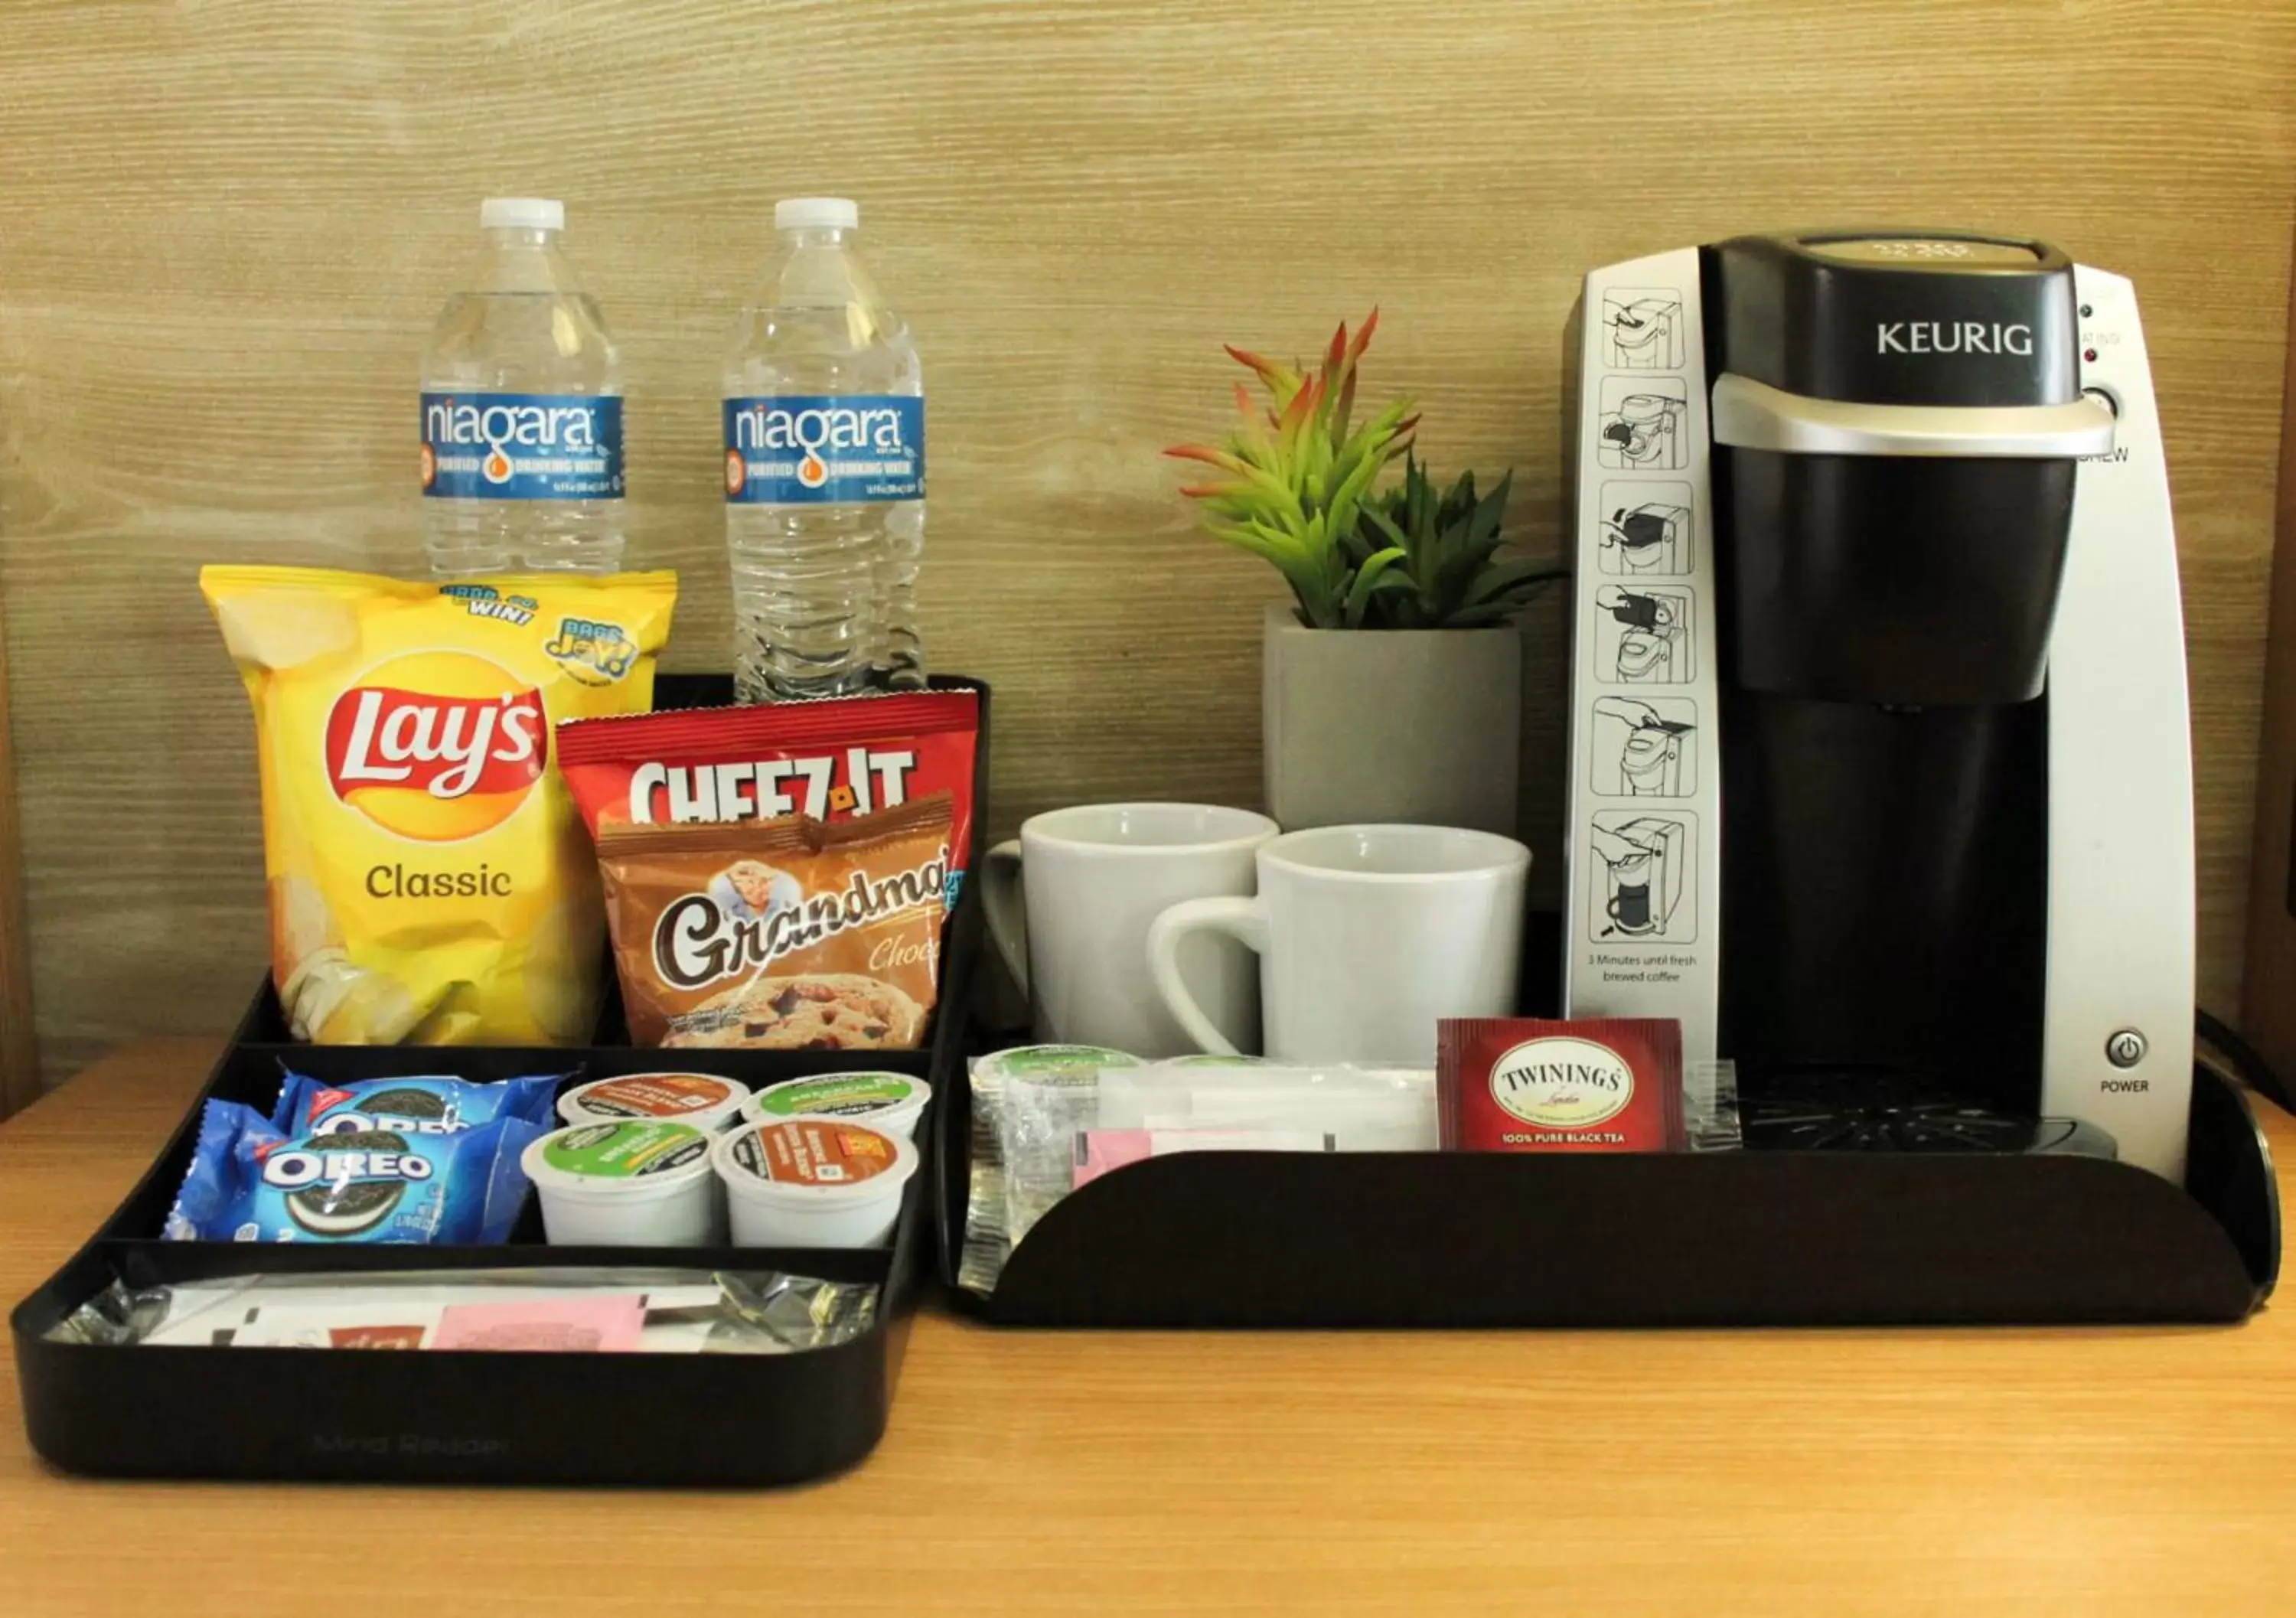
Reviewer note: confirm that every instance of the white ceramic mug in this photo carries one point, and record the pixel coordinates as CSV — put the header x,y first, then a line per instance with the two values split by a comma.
x,y
1089,880
1367,935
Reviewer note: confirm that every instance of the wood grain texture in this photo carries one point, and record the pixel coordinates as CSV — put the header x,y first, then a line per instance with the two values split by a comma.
x,y
1785,1475
20,1054
225,229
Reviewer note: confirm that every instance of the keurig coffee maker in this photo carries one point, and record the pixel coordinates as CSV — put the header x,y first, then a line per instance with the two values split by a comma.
x,y
1914,649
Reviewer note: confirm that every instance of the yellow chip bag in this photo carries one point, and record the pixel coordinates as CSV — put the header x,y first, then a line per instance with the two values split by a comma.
x,y
430,880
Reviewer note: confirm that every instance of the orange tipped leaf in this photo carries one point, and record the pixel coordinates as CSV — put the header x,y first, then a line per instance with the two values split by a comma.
x,y
1269,371
1206,453
1363,334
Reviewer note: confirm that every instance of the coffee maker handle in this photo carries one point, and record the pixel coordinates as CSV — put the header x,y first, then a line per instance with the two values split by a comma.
x,y
1245,920
1749,415
1003,904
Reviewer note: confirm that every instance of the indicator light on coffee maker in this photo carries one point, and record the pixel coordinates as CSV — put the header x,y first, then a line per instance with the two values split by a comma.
x,y
2087,311
2089,355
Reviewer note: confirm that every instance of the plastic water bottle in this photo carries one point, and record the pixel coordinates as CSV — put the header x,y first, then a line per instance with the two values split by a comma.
x,y
825,472
522,410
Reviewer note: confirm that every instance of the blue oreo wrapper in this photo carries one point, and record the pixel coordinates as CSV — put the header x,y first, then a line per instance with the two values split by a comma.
x,y
250,1182
425,1105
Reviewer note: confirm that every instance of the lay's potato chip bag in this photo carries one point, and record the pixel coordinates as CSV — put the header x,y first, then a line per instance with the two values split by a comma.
x,y
431,881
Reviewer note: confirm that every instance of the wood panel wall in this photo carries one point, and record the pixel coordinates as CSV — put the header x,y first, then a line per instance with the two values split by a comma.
x,y
225,228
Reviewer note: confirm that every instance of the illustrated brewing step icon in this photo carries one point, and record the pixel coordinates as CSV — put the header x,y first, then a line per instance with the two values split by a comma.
x,y
1646,891
1642,637
1646,529
1643,425
1644,748
1641,329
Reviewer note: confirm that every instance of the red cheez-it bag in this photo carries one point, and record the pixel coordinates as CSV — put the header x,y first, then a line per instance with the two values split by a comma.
x,y
833,759
1589,1084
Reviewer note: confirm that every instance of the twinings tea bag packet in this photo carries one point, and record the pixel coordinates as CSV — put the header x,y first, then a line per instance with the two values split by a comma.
x,y
791,934
1587,1084
430,879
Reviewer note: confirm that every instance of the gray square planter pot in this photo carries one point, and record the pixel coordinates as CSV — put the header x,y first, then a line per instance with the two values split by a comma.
x,y
1413,726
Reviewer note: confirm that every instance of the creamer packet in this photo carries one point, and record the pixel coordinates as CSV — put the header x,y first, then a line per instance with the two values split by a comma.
x,y
430,879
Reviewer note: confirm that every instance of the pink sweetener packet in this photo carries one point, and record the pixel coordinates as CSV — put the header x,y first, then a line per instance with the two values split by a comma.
x,y
1099,1151
608,1325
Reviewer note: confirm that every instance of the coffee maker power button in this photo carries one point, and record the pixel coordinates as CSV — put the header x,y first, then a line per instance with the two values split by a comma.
x,y
2126,1049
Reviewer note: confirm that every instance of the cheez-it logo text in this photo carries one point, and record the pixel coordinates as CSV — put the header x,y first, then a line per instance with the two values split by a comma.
x,y
857,781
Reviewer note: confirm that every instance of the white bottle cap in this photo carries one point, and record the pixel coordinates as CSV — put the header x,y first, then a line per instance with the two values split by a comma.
x,y
816,213
522,213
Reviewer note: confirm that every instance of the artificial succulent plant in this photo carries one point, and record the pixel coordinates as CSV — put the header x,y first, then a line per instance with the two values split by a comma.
x,y
1298,492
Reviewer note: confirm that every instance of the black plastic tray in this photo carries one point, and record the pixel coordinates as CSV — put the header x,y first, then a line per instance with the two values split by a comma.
x,y
471,1416
1277,1239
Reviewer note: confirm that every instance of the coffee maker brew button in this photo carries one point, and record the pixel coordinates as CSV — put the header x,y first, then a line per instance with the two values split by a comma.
x,y
2126,1049
2104,396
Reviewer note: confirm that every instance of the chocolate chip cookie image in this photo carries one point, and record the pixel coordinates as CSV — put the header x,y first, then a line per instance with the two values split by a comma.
x,y
337,1210
831,1011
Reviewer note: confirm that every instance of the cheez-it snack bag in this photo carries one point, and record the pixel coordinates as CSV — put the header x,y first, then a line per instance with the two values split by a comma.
x,y
833,759
429,880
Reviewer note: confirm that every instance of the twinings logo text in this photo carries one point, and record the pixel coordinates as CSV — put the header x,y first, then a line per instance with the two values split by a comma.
x,y
1593,1075
448,747
1951,337
1563,1082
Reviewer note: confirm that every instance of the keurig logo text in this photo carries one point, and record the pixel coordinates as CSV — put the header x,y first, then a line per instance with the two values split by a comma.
x,y
1951,337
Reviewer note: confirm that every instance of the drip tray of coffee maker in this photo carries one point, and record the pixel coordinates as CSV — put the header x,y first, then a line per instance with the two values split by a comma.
x,y
1868,1110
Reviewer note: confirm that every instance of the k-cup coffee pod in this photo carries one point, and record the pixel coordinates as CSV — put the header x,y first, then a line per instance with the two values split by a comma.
x,y
813,1182
627,1183
890,1102
704,1100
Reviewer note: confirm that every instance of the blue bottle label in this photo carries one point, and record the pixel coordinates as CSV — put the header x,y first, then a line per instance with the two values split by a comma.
x,y
522,446
800,449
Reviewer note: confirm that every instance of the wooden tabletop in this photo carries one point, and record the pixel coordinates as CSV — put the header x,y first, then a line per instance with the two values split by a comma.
x,y
2083,1471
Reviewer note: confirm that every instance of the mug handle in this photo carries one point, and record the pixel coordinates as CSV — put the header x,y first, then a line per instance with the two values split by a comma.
x,y
1004,903
1245,920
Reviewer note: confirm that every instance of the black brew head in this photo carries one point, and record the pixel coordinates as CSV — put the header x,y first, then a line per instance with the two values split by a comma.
x,y
1898,418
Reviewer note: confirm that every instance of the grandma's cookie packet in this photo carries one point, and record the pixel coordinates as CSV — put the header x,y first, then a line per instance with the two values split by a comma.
x,y
788,934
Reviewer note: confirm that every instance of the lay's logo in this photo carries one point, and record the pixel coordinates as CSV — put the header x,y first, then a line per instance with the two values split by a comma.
x,y
438,746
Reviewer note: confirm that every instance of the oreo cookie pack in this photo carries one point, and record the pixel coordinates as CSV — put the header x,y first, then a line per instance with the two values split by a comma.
x,y
423,1106
248,1181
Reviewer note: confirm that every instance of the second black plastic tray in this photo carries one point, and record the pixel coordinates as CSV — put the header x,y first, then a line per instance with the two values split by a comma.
x,y
1277,1239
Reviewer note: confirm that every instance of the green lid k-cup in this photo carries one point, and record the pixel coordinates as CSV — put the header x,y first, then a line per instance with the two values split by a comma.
x,y
886,1101
637,1182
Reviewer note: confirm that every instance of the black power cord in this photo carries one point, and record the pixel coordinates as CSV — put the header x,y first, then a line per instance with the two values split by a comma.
x,y
2245,1062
